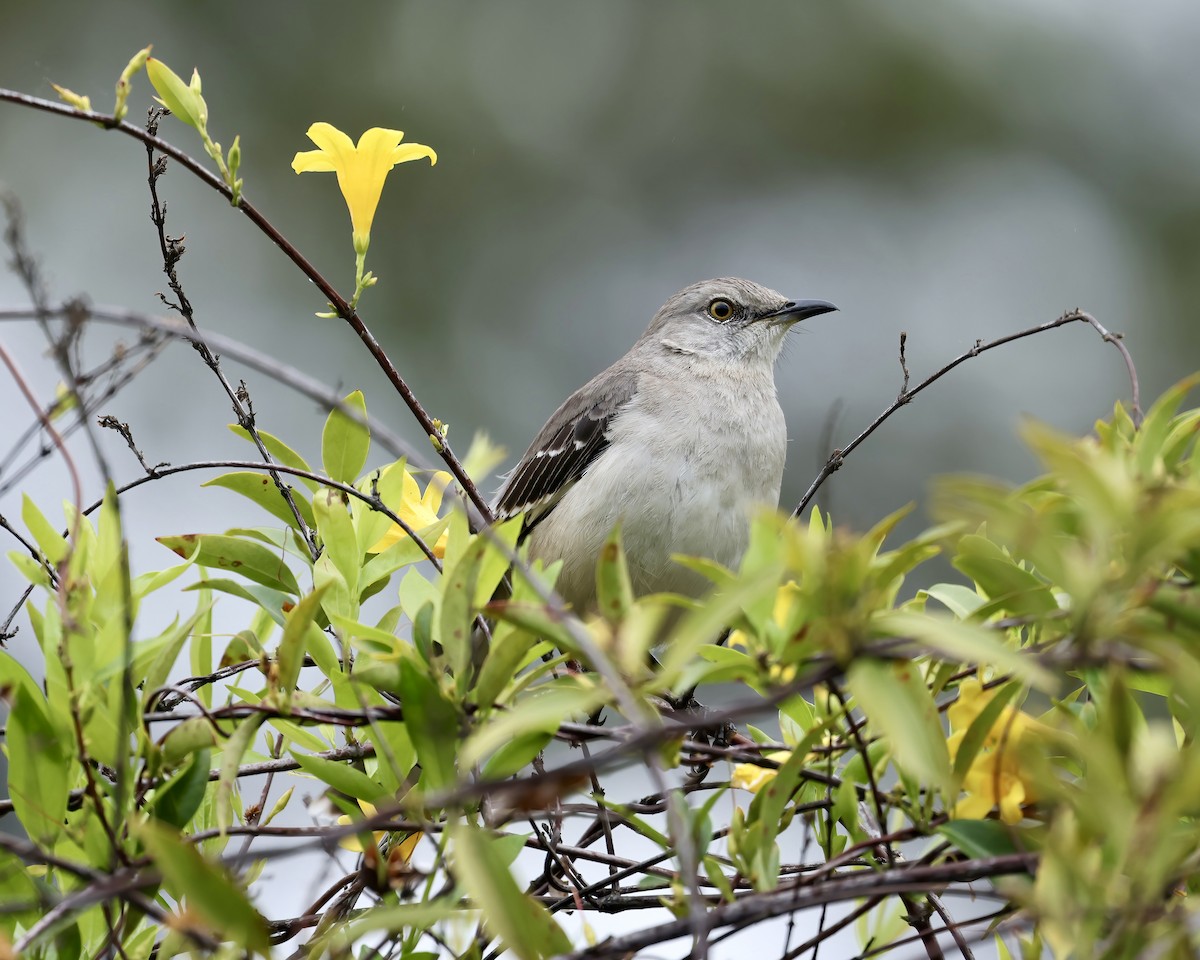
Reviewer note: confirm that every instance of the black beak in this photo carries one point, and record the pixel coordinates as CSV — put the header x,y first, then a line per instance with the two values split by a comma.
x,y
796,310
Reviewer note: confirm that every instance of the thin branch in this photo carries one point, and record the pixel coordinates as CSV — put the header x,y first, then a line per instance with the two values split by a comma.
x,y
302,383
339,303
838,457
172,249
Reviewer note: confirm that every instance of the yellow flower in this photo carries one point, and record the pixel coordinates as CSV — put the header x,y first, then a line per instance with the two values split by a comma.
x,y
401,850
752,777
418,510
351,842
996,777
360,169
785,601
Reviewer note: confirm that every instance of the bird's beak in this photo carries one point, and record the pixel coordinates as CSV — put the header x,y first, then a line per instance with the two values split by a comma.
x,y
796,310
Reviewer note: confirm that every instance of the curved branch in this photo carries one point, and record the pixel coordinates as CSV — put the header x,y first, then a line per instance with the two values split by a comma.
x,y
838,457
339,303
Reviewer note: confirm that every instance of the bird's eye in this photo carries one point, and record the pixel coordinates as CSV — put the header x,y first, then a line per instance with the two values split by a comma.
x,y
720,310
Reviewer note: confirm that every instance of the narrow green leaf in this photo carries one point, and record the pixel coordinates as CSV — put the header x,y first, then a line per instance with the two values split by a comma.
x,y
1000,577
433,724
965,642
525,926
280,451
979,838
708,622
960,600
271,602
49,541
260,489
457,613
184,102
515,754
177,800
289,656
39,767
614,589
396,918
542,711
231,758
338,538
342,777
208,889
899,706
251,560
510,650
346,440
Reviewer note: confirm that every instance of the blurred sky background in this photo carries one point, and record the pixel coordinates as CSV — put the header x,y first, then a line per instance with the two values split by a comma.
x,y
956,170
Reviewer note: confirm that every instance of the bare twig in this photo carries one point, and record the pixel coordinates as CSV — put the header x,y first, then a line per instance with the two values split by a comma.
x,y
336,300
838,457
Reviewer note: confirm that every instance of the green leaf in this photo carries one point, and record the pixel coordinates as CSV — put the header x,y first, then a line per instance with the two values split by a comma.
x,y
542,711
259,488
979,838
1157,424
183,101
899,706
1001,578
515,754
388,483
297,631
614,589
342,777
346,440
177,800
766,809
271,602
708,622
17,886
457,613
337,535
525,926
208,889
396,918
39,767
965,642
49,541
959,600
186,738
244,557
281,452
231,758
154,658
433,724
403,552
510,650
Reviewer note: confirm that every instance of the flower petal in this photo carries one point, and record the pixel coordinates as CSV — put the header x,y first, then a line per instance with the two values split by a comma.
x,y
313,161
432,500
330,138
413,151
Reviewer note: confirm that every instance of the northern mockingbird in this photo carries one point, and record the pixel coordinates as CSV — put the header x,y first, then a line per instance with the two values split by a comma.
x,y
679,441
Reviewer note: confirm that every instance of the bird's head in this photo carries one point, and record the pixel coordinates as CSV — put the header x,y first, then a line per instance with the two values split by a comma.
x,y
729,319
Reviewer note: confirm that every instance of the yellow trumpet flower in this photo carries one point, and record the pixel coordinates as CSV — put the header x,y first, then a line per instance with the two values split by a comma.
x,y
361,169
419,510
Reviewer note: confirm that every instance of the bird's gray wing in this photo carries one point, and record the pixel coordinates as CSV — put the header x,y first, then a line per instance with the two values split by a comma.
x,y
565,447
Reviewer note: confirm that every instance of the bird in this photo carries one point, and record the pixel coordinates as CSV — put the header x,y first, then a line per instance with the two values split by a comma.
x,y
680,441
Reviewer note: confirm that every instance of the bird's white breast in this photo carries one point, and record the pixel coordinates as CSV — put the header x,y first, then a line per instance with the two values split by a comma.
x,y
685,470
